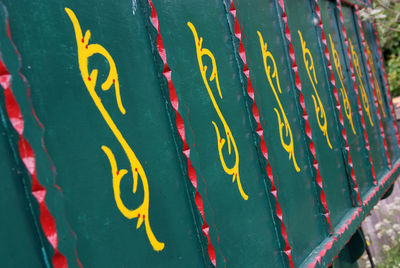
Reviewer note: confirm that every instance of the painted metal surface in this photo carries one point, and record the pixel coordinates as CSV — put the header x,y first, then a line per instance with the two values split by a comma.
x,y
109,212
346,93
281,118
214,106
372,121
20,226
318,98
383,100
191,133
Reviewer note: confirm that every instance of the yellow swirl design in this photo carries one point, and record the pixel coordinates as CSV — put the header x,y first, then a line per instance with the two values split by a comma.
x,y
85,51
234,171
339,71
376,85
357,68
319,108
273,79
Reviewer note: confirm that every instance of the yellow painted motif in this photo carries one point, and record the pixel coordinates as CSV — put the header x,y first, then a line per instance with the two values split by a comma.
x,y
319,107
273,80
339,71
234,171
357,68
85,51
376,85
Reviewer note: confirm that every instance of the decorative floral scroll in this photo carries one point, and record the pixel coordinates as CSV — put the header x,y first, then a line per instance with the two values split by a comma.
x,y
319,107
85,51
234,171
357,68
339,71
273,80
376,85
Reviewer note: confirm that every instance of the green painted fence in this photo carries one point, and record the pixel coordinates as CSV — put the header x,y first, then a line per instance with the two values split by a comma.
x,y
190,133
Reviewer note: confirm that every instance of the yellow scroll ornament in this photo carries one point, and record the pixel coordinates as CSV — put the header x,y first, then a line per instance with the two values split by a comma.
x,y
357,68
273,80
339,71
319,108
375,80
85,51
234,171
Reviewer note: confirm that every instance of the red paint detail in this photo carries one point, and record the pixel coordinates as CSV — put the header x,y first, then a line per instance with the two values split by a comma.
x,y
181,130
386,85
355,216
339,7
12,106
83,40
305,116
372,85
90,79
327,56
27,155
260,132
3,69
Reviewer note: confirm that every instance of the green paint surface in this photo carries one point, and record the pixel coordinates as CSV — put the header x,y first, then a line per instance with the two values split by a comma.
x,y
359,154
297,191
334,173
76,173
22,243
242,231
375,139
386,115
75,132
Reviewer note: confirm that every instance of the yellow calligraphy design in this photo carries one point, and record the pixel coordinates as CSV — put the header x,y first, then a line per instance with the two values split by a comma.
x,y
85,51
376,85
273,79
234,171
319,108
339,71
357,68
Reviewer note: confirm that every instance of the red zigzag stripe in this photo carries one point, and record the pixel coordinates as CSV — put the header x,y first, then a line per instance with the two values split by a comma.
x,y
339,7
372,86
332,79
305,115
386,84
27,155
260,132
181,130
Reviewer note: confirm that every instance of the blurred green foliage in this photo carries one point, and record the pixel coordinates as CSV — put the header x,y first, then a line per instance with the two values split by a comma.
x,y
386,14
392,258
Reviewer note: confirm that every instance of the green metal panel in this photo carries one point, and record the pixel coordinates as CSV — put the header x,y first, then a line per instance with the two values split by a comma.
x,y
152,156
369,110
380,90
22,241
277,99
347,95
75,132
320,106
214,108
